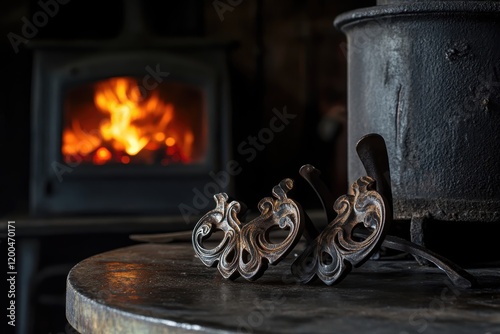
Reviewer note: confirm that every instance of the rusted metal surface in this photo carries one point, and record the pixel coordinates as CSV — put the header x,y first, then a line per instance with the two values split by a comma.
x,y
449,210
164,288
246,249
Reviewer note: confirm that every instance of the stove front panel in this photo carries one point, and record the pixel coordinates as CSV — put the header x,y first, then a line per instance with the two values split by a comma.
x,y
126,131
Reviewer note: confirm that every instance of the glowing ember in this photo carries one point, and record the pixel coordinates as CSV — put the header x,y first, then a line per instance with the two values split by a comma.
x,y
170,141
130,126
101,156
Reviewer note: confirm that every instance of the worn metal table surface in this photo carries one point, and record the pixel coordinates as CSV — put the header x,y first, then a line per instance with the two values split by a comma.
x,y
164,288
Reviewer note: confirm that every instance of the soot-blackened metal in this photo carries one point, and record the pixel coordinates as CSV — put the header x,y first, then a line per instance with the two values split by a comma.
x,y
426,76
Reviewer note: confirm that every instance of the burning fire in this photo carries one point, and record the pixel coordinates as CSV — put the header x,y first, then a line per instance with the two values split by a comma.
x,y
133,126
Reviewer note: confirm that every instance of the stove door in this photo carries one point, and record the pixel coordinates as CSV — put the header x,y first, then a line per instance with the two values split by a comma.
x,y
127,132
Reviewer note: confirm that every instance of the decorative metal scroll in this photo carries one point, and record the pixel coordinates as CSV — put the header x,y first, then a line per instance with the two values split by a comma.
x,y
246,249
336,250
358,225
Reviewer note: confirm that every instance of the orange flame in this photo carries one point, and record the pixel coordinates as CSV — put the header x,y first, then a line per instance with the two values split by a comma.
x,y
77,141
133,123
121,99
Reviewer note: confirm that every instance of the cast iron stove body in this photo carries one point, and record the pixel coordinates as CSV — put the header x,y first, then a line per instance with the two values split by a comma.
x,y
426,76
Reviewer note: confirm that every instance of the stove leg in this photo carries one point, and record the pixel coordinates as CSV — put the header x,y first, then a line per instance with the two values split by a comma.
x,y
417,235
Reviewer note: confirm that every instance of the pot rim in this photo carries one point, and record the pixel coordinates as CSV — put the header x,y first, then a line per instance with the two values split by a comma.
x,y
489,8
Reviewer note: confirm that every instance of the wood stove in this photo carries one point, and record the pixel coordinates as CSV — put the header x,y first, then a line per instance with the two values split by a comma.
x,y
128,126
416,74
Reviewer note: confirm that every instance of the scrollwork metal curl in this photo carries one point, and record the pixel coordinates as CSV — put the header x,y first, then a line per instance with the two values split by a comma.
x,y
246,249
335,251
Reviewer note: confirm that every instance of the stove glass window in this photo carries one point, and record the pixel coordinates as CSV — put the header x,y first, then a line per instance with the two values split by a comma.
x,y
118,121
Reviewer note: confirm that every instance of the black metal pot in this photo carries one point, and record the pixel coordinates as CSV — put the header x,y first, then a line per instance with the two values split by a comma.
x,y
426,76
